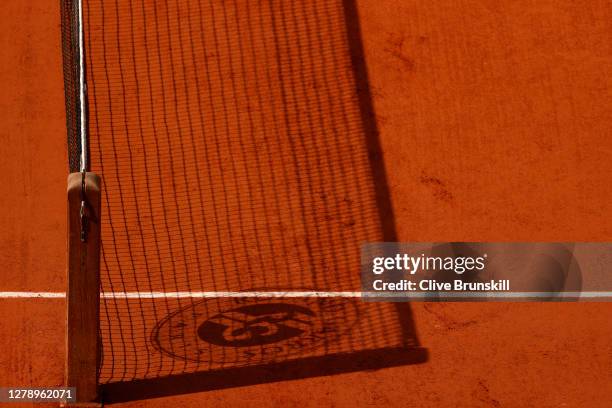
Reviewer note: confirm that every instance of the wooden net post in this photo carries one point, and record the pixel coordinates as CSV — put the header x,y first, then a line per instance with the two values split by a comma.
x,y
83,292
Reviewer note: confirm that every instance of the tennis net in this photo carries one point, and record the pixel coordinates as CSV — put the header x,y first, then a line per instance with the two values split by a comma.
x,y
231,143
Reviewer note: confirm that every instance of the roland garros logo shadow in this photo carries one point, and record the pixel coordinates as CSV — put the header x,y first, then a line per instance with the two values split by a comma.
x,y
244,331
256,325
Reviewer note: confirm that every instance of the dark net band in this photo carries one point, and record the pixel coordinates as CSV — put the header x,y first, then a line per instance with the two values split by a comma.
x,y
71,81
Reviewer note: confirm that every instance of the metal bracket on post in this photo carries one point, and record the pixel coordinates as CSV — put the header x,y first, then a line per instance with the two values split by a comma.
x,y
83,211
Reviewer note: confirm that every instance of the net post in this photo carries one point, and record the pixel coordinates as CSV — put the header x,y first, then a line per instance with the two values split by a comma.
x,y
83,289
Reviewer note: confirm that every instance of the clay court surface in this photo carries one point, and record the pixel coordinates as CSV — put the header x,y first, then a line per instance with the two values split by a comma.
x,y
495,125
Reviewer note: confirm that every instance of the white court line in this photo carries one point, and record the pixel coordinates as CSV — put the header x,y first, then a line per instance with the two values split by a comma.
x,y
159,295
19,295
315,294
178,295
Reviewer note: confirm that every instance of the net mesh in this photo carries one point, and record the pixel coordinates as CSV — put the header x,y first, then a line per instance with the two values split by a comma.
x,y
233,156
